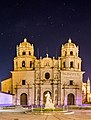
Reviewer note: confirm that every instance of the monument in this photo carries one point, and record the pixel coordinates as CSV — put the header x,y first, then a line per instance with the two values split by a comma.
x,y
49,104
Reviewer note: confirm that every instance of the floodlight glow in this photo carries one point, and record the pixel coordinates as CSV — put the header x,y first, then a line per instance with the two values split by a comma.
x,y
5,99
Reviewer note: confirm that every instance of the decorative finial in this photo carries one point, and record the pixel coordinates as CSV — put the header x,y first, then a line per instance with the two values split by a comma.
x,y
40,57
20,44
53,57
17,47
25,40
69,40
88,80
47,55
32,46
62,46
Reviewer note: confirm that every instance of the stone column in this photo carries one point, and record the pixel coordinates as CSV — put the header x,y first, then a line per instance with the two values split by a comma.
x,y
52,91
64,96
34,93
40,94
35,101
59,89
59,93
75,102
16,94
28,95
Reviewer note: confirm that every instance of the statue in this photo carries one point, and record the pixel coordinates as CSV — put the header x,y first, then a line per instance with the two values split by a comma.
x,y
49,103
48,98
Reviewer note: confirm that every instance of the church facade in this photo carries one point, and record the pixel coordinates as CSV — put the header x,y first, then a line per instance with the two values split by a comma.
x,y
32,78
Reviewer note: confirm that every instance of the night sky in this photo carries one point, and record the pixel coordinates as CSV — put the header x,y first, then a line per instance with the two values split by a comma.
x,y
47,24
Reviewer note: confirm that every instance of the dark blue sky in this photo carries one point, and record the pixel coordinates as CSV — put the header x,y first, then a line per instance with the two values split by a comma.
x,y
47,24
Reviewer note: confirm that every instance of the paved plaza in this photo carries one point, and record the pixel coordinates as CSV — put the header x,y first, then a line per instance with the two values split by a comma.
x,y
74,115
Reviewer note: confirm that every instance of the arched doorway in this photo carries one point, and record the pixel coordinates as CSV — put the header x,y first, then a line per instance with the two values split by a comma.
x,y
23,99
70,100
44,98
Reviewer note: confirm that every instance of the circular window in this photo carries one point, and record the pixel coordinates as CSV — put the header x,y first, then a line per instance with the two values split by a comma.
x,y
47,75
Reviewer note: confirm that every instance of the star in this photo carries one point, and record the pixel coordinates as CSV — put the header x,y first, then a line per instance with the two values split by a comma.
x,y
79,31
51,23
49,17
70,16
20,3
8,23
9,35
2,33
64,3
39,35
24,26
62,24
37,24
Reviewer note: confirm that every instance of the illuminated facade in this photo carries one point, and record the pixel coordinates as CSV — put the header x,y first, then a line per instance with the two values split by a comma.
x,y
86,92
32,78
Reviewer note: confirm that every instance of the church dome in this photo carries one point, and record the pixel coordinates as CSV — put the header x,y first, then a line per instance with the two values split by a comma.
x,y
25,43
25,48
69,44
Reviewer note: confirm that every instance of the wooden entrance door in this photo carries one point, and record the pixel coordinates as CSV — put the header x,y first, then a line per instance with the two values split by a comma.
x,y
23,99
70,99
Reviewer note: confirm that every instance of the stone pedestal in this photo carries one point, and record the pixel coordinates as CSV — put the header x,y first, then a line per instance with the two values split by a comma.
x,y
49,106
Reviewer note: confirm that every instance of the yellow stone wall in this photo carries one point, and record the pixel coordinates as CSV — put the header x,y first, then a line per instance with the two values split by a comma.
x,y
6,85
18,76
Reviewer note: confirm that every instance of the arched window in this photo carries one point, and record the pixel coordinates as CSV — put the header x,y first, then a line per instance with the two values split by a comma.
x,y
30,64
78,65
47,63
23,64
65,53
29,53
71,52
63,64
71,64
23,53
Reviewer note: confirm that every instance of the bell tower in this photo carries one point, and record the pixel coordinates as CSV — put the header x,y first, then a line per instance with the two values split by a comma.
x,y
71,74
69,57
25,56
